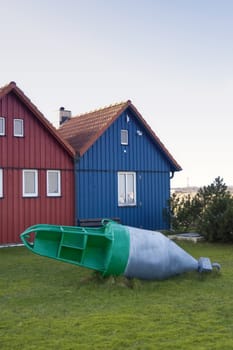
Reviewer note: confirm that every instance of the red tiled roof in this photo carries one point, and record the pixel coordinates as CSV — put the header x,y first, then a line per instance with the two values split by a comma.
x,y
13,87
83,130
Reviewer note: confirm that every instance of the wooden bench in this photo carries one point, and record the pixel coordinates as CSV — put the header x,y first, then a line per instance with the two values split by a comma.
x,y
94,222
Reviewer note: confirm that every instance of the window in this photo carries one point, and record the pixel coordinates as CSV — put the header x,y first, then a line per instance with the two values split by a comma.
x,y
53,183
124,137
30,183
1,183
126,188
18,128
2,126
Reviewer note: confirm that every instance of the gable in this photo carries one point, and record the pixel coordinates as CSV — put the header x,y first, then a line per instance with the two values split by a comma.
x,y
141,153
14,102
82,132
33,148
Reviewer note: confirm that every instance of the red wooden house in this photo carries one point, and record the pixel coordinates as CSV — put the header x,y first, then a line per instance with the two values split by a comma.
x,y
36,168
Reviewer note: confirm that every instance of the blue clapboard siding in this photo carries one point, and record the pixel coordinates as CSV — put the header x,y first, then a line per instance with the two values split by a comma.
x,y
96,176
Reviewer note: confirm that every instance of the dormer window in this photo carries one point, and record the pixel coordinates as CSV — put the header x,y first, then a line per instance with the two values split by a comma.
x,y
2,126
18,128
124,137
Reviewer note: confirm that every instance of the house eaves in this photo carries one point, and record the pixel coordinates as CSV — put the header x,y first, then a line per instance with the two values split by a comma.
x,y
156,139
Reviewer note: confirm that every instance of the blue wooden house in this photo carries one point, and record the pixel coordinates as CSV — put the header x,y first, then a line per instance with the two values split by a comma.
x,y
122,169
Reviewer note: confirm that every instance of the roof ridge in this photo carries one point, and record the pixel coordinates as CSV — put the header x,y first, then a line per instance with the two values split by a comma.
x,y
102,108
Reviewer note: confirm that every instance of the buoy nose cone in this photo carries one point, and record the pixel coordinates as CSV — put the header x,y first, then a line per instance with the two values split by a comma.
x,y
153,256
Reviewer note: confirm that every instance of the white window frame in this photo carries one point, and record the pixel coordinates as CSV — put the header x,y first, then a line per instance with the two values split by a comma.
x,y
124,137
32,193
127,198
1,183
54,193
3,130
17,134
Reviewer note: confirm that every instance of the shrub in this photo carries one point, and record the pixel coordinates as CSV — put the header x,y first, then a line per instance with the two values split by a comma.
x,y
210,212
217,220
185,213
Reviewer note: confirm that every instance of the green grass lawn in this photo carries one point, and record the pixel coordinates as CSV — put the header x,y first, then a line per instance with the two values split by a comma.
x,y
45,304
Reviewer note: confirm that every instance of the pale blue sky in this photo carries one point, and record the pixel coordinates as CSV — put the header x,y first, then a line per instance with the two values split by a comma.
x,y
172,58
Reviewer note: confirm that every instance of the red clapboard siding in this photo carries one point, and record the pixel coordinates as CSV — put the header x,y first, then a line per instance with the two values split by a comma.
x,y
40,150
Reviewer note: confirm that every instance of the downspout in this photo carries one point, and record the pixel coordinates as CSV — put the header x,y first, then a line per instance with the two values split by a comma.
x,y
169,207
76,160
